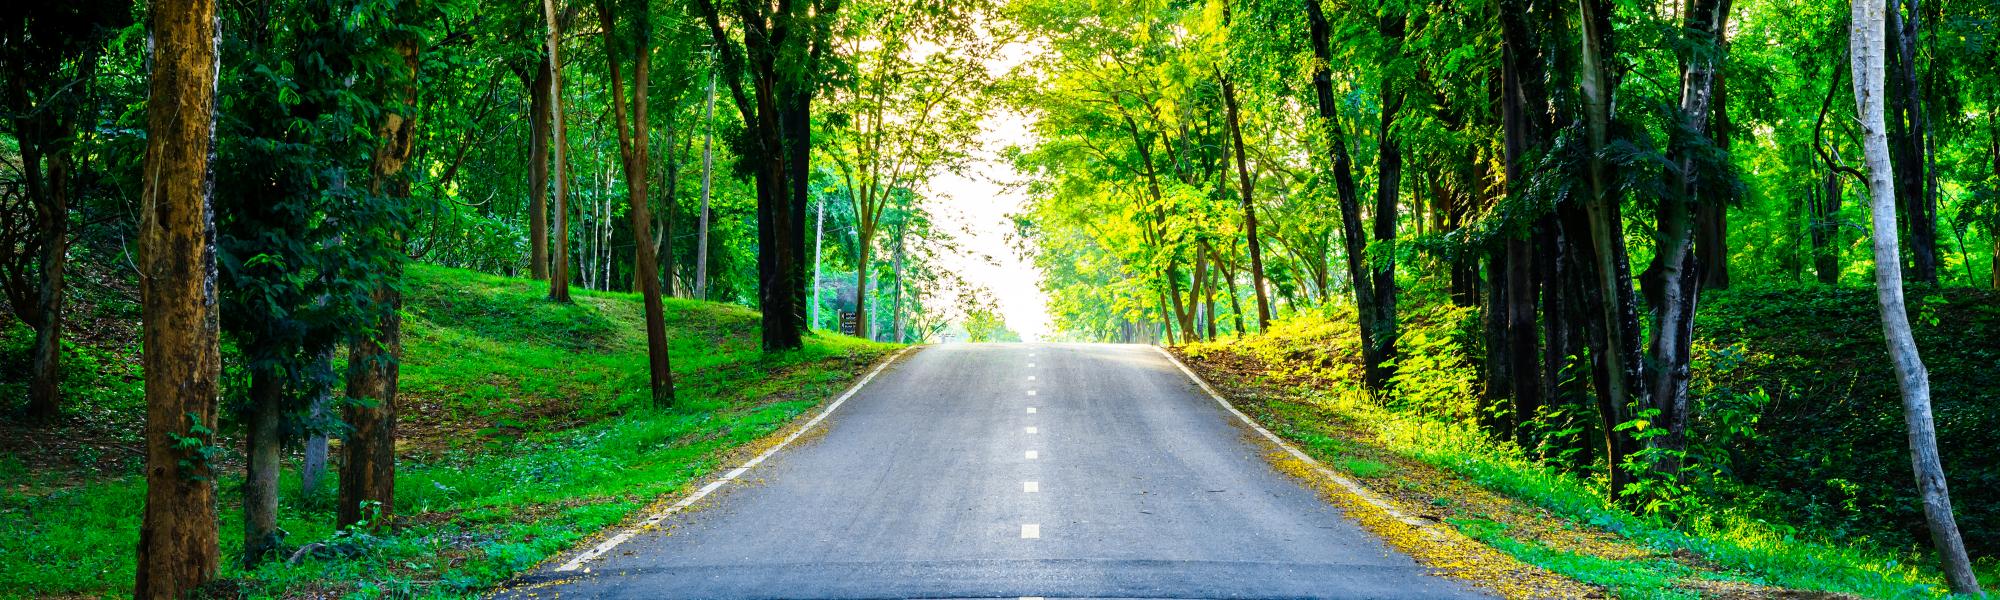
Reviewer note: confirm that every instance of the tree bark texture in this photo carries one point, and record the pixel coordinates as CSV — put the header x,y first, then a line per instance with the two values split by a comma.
x,y
177,287
1866,51
559,273
368,454
540,93
634,152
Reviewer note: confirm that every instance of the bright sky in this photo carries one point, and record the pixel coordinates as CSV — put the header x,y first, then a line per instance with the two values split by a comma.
x,y
974,207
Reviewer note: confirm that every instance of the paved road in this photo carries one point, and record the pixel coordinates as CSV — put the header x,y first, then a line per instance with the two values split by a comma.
x,y
1017,470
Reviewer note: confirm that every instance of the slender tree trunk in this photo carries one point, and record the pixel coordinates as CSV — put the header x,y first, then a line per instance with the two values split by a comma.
x,y
1672,282
312,467
1614,307
865,258
540,94
1909,132
634,150
45,369
819,243
181,352
261,536
1354,238
1388,190
559,279
707,175
1247,187
1711,234
1866,43
368,455
896,322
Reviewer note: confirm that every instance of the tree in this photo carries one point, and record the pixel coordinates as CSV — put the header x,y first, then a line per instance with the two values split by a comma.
x,y
541,96
282,158
780,54
559,269
707,188
633,152
48,59
1246,194
368,454
1866,50
905,116
182,356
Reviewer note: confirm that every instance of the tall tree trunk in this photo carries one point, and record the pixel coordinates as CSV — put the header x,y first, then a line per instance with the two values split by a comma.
x,y
1614,312
1711,233
1388,191
1866,43
181,352
368,455
1672,281
634,148
1246,187
540,95
707,175
45,370
819,243
1909,132
1354,238
559,277
1825,233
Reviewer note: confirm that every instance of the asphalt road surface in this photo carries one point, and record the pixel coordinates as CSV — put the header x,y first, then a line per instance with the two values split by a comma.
x,y
1008,471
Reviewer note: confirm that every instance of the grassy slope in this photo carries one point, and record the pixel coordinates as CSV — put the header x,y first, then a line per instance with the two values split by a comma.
x,y
1300,381
525,429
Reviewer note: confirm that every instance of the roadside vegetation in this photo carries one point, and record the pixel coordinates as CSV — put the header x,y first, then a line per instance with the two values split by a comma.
x,y
525,426
1759,518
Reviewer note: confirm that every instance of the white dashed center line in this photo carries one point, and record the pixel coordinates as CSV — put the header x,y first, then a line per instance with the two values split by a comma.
x,y
1031,365
1031,392
1031,430
1031,410
1032,455
1030,487
1030,531
1031,378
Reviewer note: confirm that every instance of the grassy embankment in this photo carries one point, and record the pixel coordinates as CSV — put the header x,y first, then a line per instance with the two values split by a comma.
x,y
1748,531
524,428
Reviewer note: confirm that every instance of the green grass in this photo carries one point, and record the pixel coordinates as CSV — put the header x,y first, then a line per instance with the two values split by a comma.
x,y
1743,544
531,430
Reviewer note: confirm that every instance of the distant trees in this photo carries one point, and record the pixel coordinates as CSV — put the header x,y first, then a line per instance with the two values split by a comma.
x,y
904,116
182,356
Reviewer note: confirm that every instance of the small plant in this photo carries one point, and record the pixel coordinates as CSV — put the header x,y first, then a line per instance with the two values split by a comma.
x,y
1363,468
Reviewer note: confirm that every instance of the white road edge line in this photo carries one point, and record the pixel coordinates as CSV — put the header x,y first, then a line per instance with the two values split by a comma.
x,y
602,548
1349,484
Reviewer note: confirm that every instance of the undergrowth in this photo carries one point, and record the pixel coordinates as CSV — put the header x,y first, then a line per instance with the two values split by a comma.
x,y
1433,419
527,428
